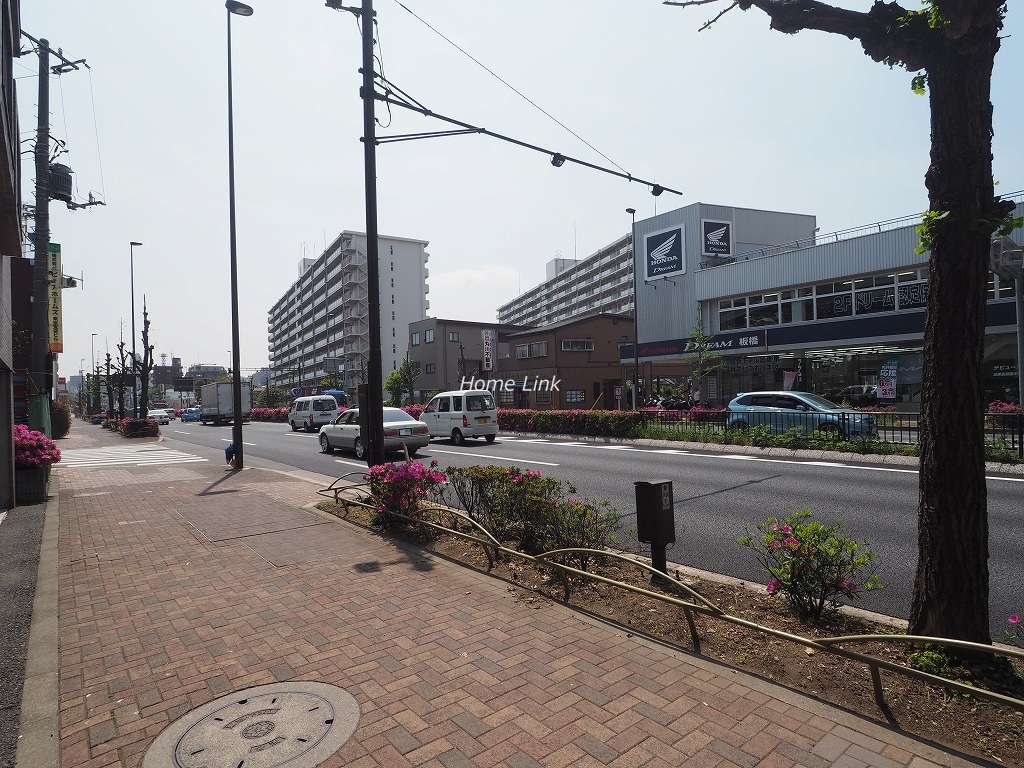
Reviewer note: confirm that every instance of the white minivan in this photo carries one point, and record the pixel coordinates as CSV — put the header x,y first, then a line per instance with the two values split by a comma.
x,y
311,413
462,413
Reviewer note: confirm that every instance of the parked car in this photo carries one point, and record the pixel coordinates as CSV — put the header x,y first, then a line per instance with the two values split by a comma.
x,y
858,394
191,414
783,410
160,415
399,428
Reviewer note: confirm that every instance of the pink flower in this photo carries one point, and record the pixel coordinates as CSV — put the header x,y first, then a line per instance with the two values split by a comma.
x,y
773,586
1014,619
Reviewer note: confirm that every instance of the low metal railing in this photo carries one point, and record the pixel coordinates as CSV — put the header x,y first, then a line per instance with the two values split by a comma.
x,y
695,603
1004,430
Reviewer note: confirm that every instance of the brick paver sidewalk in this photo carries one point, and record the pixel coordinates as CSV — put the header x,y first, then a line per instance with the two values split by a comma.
x,y
180,583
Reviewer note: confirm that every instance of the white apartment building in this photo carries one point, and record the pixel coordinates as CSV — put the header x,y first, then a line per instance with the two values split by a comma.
x,y
602,283
319,330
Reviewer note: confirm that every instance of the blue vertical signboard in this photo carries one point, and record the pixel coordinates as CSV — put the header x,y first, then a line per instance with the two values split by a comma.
x,y
886,393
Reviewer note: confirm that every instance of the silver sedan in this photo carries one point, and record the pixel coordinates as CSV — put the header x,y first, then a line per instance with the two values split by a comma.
x,y
399,428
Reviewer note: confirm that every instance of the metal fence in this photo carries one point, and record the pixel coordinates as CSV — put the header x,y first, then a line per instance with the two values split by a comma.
x,y
1002,430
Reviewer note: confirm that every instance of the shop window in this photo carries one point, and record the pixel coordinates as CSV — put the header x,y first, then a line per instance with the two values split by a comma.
x,y
840,305
912,295
732,319
767,314
573,396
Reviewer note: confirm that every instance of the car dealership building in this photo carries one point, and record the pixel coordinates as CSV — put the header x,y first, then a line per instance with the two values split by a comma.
x,y
788,307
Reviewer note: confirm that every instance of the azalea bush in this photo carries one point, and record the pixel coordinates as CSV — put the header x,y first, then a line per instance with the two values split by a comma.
x,y
279,414
572,422
132,427
1015,634
33,450
536,513
811,564
400,489
1003,414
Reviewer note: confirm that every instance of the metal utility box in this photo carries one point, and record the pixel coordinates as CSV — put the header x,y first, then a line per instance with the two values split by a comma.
x,y
655,513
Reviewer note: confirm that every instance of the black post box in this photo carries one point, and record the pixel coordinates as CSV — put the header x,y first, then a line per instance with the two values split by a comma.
x,y
655,513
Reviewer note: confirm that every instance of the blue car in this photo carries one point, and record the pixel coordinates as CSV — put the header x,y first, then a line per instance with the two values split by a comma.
x,y
190,414
781,411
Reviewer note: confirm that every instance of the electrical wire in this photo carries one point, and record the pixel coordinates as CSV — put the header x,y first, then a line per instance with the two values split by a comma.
x,y
96,130
508,85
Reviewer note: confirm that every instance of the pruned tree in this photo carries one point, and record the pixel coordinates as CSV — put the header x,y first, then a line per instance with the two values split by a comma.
x,y
950,47
146,364
701,355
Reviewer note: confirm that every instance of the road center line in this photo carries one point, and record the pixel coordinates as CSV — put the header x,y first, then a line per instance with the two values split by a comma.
x,y
495,458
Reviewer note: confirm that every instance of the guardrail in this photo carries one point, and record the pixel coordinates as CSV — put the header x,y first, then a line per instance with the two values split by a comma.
x,y
695,603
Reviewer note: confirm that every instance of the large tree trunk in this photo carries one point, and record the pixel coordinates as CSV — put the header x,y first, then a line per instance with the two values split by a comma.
x,y
951,593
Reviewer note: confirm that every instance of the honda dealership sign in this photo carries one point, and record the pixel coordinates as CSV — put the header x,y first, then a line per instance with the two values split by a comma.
x,y
716,237
664,254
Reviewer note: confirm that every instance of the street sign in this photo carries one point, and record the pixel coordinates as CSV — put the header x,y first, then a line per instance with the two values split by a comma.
x,y
618,392
296,391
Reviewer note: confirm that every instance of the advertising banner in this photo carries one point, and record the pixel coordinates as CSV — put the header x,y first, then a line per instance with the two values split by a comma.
x,y
886,393
54,278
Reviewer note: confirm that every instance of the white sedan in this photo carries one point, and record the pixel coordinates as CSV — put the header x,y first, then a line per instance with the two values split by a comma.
x,y
160,415
399,428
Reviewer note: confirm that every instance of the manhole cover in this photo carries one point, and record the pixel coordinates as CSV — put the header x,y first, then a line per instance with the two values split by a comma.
x,y
297,725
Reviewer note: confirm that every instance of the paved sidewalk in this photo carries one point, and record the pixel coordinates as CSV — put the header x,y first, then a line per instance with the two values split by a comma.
x,y
182,583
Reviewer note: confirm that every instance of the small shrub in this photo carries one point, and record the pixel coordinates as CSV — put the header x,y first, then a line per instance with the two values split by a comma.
x,y
60,419
33,449
399,489
1015,634
811,564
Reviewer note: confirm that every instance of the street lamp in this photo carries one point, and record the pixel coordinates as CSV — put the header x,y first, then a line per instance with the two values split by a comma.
x,y
239,9
135,360
636,320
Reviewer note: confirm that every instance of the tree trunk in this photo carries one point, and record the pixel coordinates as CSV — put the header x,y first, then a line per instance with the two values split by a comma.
x,y
951,593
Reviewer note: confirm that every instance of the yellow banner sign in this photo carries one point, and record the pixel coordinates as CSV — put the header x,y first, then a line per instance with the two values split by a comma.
x,y
54,277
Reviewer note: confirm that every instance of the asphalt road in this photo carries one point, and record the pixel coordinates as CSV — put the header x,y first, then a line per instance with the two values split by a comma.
x,y
715,495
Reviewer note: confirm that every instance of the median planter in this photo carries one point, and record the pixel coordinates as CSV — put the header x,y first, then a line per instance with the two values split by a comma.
x,y
30,485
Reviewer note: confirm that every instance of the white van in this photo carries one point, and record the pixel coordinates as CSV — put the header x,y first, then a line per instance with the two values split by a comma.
x,y
311,413
462,413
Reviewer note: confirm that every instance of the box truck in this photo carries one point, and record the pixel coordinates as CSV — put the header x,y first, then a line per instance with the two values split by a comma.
x,y
217,403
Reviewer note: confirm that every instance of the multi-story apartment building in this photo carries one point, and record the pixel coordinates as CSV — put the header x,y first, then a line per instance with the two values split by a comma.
x,y
319,328
600,283
446,351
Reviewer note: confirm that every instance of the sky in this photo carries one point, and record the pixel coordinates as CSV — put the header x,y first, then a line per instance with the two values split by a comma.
x,y
736,115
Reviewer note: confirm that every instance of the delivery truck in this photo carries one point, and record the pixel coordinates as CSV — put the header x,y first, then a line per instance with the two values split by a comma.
x,y
217,403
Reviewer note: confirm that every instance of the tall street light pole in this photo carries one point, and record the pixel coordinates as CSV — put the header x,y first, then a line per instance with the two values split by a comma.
x,y
239,9
636,320
135,360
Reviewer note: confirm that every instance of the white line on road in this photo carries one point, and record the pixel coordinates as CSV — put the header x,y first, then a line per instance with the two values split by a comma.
x,y
497,458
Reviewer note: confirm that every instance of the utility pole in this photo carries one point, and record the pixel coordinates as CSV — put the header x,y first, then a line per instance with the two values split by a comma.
x,y
42,364
39,396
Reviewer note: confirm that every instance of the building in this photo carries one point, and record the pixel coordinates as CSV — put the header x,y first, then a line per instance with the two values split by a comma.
x,y
162,376
10,237
447,351
572,364
207,372
600,283
816,313
318,329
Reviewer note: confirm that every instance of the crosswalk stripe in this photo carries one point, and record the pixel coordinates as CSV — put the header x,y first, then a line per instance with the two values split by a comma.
x,y
130,456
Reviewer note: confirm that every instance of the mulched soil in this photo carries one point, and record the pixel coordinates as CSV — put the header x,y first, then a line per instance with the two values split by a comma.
x,y
955,720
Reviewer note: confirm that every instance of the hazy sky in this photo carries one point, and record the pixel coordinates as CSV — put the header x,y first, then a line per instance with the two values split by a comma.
x,y
738,115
